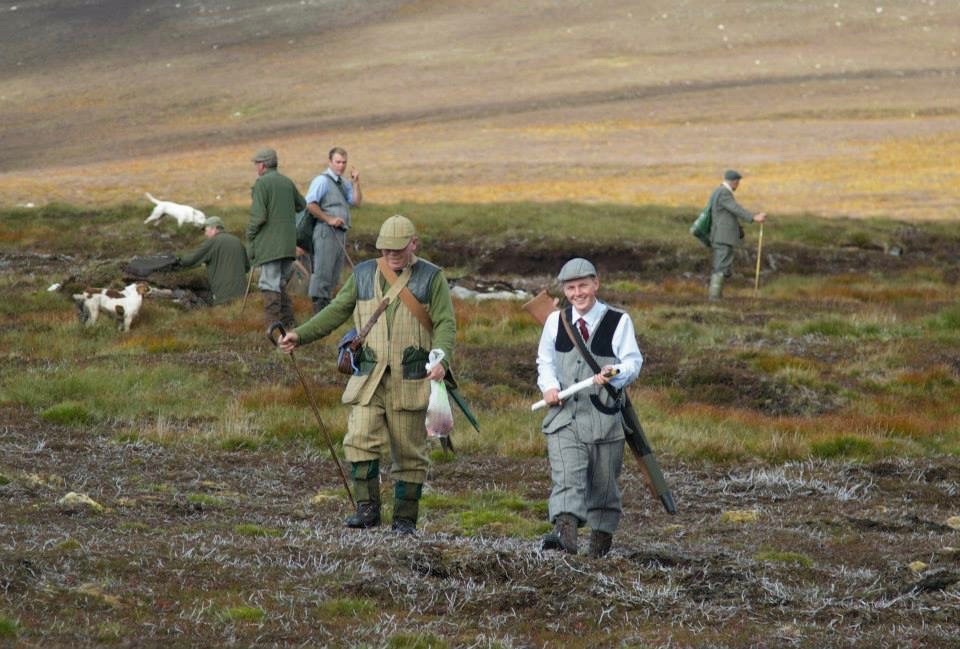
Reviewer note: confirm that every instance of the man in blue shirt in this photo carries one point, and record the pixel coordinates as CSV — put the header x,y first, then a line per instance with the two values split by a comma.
x,y
329,199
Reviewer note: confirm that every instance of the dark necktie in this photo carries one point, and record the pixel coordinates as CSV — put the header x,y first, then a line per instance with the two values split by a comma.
x,y
583,329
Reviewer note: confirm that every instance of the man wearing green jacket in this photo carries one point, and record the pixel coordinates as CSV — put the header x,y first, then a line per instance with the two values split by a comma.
x,y
226,261
391,387
726,235
272,234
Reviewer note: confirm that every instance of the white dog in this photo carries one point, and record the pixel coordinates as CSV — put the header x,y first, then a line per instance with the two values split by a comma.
x,y
122,305
182,213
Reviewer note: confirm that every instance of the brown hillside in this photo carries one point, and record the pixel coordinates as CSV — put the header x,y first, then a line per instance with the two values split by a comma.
x,y
834,108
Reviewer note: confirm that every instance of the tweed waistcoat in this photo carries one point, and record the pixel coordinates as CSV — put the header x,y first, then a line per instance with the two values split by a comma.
x,y
334,201
592,412
397,342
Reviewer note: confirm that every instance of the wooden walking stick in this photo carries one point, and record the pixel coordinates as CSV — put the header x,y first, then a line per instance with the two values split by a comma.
x,y
756,280
278,327
345,253
243,305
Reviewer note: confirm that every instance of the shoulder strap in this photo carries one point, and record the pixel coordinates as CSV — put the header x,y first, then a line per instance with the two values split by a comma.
x,y
411,302
339,185
399,285
587,356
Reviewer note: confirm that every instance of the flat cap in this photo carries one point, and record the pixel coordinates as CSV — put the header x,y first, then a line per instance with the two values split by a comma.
x,y
575,269
731,174
395,233
266,156
213,222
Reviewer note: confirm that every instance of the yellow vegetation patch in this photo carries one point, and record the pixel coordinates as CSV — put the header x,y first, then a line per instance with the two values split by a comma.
x,y
918,566
911,177
97,592
740,516
75,501
155,344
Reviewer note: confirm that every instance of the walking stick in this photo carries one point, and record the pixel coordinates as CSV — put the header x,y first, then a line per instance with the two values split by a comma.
x,y
277,326
243,305
756,281
344,249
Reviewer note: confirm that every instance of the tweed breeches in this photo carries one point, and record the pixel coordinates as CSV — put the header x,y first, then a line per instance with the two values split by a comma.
x,y
584,477
274,275
328,256
722,259
377,427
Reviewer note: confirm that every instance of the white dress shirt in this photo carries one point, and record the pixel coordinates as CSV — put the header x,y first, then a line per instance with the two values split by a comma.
x,y
624,347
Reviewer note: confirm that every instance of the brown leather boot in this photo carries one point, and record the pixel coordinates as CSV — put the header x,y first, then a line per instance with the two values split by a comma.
x,y
564,534
600,543
271,308
286,311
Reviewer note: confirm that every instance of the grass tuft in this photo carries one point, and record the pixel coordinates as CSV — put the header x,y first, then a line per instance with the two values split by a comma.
x,y
784,557
256,531
416,641
349,607
9,628
68,413
847,446
251,614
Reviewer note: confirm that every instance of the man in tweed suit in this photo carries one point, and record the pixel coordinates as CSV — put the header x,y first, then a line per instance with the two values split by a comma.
x,y
725,232
585,433
390,391
329,200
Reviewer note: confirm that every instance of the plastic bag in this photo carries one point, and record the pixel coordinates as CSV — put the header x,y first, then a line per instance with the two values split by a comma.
x,y
439,416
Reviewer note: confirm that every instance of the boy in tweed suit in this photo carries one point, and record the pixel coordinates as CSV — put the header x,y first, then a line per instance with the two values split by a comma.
x,y
585,433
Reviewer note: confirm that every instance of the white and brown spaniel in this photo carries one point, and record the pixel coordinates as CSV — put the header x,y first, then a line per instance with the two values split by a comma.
x,y
122,305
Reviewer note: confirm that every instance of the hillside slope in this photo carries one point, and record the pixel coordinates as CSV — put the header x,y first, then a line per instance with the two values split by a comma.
x,y
847,108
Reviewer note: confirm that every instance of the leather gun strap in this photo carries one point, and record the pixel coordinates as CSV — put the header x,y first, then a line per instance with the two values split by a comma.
x,y
411,302
399,284
582,347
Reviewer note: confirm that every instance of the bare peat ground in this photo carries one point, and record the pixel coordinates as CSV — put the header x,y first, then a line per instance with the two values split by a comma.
x,y
201,546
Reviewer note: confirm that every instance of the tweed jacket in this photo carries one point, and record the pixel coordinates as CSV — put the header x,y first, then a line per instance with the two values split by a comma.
x,y
272,230
725,215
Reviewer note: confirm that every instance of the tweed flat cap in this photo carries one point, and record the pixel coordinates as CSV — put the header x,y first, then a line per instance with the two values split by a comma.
x,y
575,269
395,233
266,156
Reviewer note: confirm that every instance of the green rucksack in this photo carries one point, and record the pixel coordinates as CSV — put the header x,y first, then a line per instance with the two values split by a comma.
x,y
701,227
305,224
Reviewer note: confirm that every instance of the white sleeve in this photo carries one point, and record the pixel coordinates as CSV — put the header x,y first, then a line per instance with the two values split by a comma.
x,y
546,368
627,352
